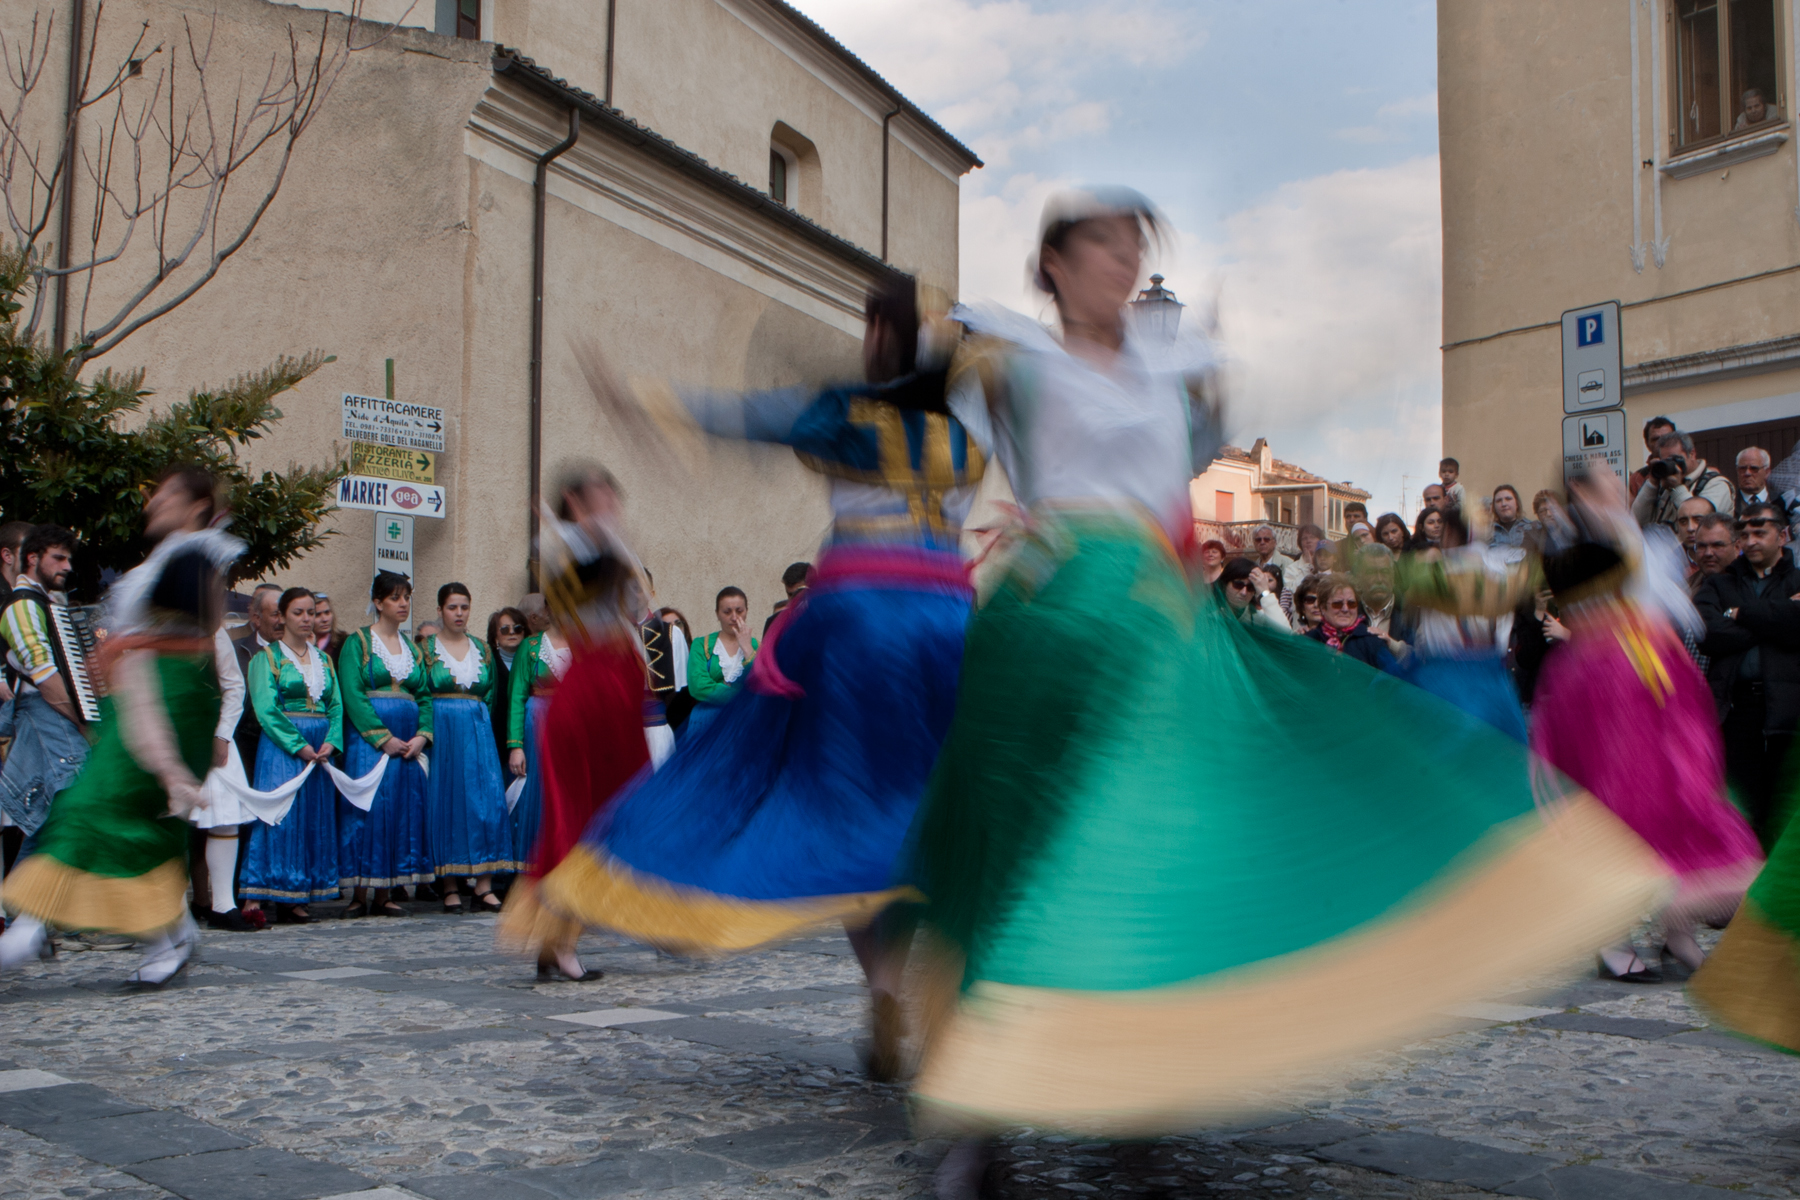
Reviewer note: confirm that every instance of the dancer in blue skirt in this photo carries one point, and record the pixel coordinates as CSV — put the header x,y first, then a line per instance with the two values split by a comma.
x,y
294,693
387,704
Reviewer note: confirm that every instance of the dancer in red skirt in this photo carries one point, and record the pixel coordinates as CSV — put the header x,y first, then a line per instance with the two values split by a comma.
x,y
592,738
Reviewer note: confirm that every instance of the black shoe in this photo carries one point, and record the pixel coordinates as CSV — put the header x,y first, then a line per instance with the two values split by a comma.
x,y
231,922
358,909
290,914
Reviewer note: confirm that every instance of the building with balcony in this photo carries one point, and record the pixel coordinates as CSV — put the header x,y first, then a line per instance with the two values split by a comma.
x,y
1642,152
1242,489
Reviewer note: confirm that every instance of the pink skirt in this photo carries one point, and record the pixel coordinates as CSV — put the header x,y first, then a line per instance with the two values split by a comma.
x,y
1625,713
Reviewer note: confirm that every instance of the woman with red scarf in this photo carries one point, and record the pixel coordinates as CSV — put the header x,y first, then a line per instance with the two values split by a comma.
x,y
1346,627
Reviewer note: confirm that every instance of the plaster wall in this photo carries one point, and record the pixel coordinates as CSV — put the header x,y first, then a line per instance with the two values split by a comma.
x,y
1538,179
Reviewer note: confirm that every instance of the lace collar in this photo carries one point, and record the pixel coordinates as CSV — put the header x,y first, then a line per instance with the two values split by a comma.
x,y
312,669
555,658
466,670
399,666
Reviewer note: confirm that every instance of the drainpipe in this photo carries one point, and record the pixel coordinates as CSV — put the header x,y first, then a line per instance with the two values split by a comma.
x,y
884,182
612,13
540,195
59,334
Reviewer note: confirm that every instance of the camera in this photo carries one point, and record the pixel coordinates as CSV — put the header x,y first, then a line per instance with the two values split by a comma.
x,y
1674,467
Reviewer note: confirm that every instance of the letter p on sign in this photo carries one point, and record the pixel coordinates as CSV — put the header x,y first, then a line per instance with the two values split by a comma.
x,y
1591,330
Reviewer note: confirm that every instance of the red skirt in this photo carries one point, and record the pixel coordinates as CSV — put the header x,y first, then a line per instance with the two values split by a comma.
x,y
590,743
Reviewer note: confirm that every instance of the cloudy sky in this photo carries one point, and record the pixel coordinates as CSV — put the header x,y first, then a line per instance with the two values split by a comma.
x,y
1292,143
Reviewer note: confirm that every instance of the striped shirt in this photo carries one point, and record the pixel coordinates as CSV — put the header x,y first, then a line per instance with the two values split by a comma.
x,y
25,626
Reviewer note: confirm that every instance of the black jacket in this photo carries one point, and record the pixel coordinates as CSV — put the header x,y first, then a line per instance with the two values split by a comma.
x,y
1364,645
1767,621
249,730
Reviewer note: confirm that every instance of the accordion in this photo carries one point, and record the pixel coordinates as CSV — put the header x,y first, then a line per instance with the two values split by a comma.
x,y
76,638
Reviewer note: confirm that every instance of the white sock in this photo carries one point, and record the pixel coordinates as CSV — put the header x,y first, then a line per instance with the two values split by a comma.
x,y
221,865
21,942
166,954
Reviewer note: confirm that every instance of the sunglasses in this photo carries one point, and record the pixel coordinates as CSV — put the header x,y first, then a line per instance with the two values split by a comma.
x,y
1342,606
512,629
1243,584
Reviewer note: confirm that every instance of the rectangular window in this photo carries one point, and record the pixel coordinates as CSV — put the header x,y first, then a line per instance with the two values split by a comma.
x,y
1270,510
1306,509
1727,68
1224,506
777,177
468,19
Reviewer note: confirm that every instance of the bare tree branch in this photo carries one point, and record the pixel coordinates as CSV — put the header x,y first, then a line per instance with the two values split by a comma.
x,y
156,168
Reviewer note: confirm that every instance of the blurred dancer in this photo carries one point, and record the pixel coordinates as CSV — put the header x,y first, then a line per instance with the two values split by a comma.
x,y
792,807
1065,865
1623,711
591,740
111,855
1751,982
543,658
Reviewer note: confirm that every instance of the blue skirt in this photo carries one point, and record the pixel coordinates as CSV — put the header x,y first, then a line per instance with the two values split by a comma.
x,y
780,799
297,860
385,847
1475,682
528,814
469,830
699,717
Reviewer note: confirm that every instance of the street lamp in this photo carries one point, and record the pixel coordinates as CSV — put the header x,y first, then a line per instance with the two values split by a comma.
x,y
1157,312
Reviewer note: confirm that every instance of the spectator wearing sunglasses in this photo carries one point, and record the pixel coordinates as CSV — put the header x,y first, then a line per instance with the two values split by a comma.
x,y
1252,594
1752,627
506,631
1346,626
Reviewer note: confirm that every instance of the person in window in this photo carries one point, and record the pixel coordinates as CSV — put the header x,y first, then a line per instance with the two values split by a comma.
x,y
1756,110
719,660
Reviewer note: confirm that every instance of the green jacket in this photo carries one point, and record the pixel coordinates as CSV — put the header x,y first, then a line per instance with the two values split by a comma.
x,y
529,671
361,671
277,688
706,677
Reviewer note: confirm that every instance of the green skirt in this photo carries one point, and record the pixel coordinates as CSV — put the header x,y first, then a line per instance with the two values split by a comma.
x,y
1175,863
108,856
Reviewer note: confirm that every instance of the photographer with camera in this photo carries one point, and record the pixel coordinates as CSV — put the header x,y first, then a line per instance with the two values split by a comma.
x,y
1674,476
1752,615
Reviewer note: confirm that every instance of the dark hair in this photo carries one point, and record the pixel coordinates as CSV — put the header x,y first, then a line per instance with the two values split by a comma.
x,y
453,589
572,477
1056,237
1386,519
1238,568
1716,519
1456,530
289,596
1308,587
1214,542
796,574
1419,540
198,482
45,537
895,303
730,591
388,583
1762,512
1449,462
1358,505
673,617
1653,422
494,620
12,535
1312,529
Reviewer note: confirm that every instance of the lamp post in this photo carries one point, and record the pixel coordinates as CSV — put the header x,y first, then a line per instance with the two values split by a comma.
x,y
1157,312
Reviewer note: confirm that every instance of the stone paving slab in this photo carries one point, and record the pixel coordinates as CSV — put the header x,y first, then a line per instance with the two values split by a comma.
x,y
36,1109
1604,1183
254,1174
1423,1156
142,1136
1631,1027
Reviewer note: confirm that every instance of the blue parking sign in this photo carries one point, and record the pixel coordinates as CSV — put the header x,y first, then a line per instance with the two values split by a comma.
x,y
1590,329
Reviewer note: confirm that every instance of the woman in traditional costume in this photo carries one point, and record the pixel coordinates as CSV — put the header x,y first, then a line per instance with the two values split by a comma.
x,y
1132,941
717,662
111,857
295,695
592,738
468,826
793,808
387,704
543,658
1622,710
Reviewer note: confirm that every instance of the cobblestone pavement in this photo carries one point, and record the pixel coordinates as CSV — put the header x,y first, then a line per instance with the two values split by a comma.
x,y
391,1059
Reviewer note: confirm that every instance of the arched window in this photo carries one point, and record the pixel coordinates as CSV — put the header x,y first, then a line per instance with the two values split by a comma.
x,y
780,170
793,170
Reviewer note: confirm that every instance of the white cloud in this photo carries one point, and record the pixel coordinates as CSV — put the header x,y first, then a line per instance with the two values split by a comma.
x,y
1411,107
1007,73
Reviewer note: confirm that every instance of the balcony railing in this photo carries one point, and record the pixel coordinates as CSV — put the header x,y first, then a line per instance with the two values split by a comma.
x,y
1236,535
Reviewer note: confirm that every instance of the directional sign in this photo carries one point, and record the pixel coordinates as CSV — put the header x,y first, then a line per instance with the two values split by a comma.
x,y
1593,441
392,423
391,462
1592,361
394,548
388,495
